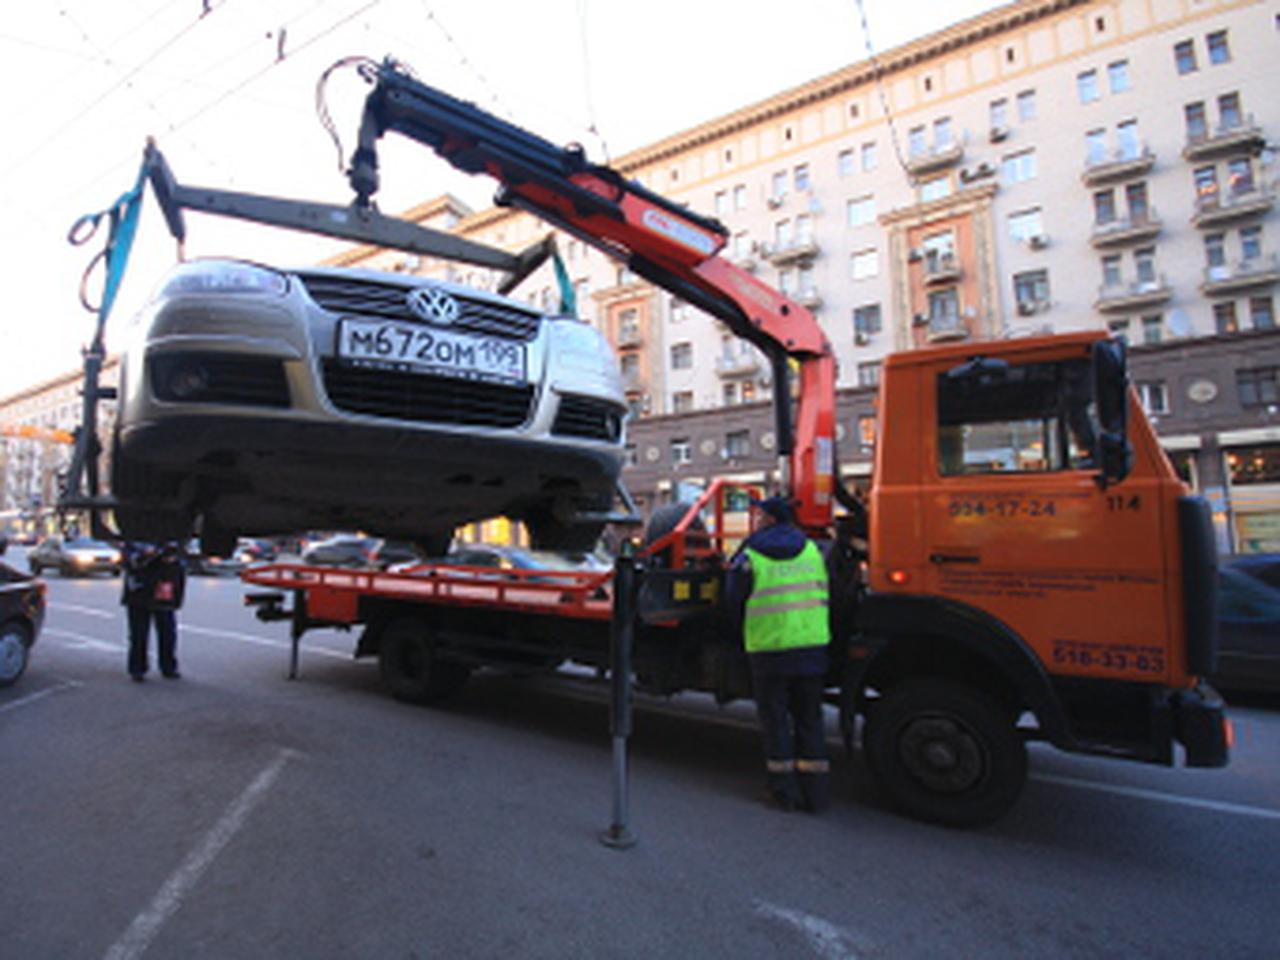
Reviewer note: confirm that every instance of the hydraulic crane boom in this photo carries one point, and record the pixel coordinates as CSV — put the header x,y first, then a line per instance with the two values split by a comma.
x,y
657,239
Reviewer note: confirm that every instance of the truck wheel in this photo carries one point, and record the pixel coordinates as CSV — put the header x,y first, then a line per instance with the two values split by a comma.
x,y
14,644
945,752
663,521
410,668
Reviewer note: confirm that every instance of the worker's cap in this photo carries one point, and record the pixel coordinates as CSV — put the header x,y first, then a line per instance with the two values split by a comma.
x,y
777,507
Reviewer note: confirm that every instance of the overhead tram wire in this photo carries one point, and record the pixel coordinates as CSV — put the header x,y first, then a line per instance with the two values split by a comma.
x,y
878,74
592,126
463,59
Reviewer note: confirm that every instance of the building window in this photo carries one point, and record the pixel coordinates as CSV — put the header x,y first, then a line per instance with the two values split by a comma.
x,y
1095,146
1224,317
1215,250
1197,124
783,234
804,229
1087,86
1153,328
778,190
865,264
786,283
1240,176
1111,270
869,374
729,394
737,443
1118,76
1128,146
1027,105
867,432
998,114
682,401
1262,313
942,136
866,321
740,197
1206,180
722,202
935,189
1254,465
682,355
1135,198
870,156
1250,243
1025,224
1144,263
916,144
860,211
1155,398
1018,167
628,326
681,451
741,245
1184,56
800,177
844,163
944,311
1229,113
1104,207
629,364
1031,290
1219,50
1258,387
1119,328
631,456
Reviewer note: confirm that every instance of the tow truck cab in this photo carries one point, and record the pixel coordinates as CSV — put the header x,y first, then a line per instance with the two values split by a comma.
x,y
1030,543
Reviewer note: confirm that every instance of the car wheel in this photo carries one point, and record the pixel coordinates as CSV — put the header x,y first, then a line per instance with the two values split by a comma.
x,y
410,667
15,642
945,752
135,484
662,522
547,531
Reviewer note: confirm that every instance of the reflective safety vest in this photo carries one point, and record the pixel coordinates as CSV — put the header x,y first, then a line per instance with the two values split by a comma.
x,y
787,609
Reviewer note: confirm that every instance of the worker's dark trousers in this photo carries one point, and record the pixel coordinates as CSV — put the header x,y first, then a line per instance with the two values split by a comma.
x,y
795,742
140,619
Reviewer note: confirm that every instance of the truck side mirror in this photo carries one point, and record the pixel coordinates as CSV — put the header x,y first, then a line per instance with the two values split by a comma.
x,y
1111,388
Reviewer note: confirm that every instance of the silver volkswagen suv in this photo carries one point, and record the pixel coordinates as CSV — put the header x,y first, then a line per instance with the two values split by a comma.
x,y
256,401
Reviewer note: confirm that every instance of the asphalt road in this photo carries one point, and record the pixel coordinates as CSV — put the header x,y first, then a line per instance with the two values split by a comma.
x,y
237,814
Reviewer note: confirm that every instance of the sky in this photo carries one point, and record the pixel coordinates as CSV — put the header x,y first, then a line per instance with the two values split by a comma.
x,y
228,89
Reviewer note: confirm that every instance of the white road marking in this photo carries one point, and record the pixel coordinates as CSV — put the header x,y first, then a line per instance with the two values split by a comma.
x,y
87,611
1217,806
83,642
825,938
39,695
168,900
262,641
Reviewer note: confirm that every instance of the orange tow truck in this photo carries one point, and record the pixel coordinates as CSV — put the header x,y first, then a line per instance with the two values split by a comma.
x,y
1035,568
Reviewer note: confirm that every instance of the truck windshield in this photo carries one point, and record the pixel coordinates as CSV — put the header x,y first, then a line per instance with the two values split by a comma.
x,y
1036,417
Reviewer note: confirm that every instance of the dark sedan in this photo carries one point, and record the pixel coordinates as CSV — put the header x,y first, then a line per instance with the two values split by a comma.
x,y
22,607
1248,632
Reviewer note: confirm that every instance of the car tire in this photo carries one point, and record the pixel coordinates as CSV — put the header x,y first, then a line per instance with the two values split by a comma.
x,y
945,752
548,531
132,480
409,665
15,646
662,522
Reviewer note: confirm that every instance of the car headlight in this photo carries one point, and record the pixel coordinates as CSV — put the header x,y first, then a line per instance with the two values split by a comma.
x,y
579,346
223,276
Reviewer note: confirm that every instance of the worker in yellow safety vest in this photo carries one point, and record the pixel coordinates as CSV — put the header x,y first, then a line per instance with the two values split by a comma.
x,y
778,583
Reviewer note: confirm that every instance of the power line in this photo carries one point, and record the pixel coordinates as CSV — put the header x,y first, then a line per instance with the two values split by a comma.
x,y
878,72
586,81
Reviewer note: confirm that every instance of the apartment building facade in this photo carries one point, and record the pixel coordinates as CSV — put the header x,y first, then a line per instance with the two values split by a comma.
x,y
1051,165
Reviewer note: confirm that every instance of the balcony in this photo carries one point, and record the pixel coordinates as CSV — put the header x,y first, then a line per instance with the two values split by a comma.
x,y
942,326
1132,229
808,297
629,337
935,158
1122,163
1214,208
1244,135
794,251
1133,295
731,365
632,381
1228,278
941,268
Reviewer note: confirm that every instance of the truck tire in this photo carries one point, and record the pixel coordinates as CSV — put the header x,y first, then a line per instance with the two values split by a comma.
x,y
663,521
945,752
410,668
15,641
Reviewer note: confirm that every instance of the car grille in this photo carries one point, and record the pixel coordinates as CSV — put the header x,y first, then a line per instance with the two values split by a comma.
x,y
426,399
219,378
588,418
369,298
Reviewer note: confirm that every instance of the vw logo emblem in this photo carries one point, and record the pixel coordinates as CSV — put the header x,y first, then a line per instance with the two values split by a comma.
x,y
432,305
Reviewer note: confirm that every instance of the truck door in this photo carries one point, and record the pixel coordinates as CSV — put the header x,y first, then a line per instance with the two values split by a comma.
x,y
1019,526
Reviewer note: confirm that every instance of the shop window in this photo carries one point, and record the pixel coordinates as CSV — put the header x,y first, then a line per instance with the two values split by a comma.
x,y
1248,465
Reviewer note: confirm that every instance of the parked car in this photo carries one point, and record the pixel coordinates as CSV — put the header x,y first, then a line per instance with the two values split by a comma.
x,y
396,553
267,401
22,607
74,556
343,550
1248,632
245,553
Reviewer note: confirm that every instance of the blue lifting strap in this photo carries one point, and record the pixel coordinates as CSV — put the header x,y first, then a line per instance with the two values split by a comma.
x,y
568,299
124,214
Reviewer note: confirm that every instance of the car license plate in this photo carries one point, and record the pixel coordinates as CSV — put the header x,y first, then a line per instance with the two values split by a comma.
x,y
391,345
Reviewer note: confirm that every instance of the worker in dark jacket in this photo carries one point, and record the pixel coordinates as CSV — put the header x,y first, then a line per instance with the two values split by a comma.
x,y
778,581
154,582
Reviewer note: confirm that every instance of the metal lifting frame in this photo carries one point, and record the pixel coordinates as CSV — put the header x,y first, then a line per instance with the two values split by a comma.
x,y
659,240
